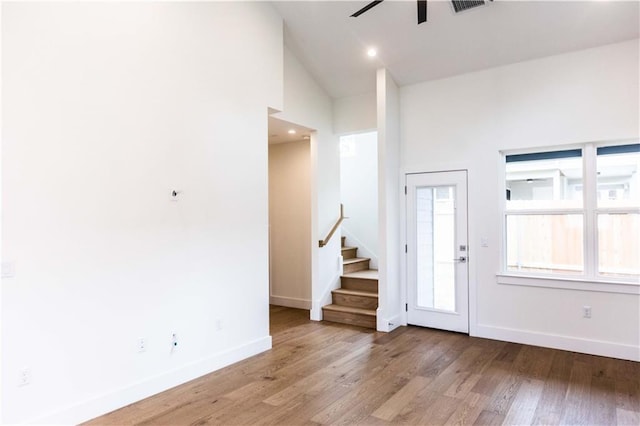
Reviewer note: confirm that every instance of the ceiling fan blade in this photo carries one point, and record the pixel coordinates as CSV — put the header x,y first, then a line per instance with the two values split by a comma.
x,y
367,7
422,11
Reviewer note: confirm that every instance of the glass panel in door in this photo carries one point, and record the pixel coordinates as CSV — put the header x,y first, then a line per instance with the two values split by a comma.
x,y
435,226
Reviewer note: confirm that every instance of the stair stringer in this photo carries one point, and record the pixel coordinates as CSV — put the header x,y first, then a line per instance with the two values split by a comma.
x,y
333,282
325,299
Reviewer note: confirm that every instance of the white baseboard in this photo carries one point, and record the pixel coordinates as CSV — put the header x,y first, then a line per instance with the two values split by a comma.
x,y
387,324
290,302
574,344
118,398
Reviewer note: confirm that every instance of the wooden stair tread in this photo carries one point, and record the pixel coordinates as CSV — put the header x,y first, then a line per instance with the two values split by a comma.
x,y
355,260
349,292
350,309
369,274
345,248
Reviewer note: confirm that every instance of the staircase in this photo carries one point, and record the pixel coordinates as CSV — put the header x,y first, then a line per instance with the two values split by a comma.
x,y
356,301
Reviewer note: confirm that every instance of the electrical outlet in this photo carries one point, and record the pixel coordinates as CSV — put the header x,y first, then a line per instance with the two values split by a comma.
x,y
586,311
142,344
25,376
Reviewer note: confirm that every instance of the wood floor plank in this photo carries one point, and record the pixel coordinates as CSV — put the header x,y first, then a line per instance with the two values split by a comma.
x,y
391,407
626,417
440,412
627,394
524,405
462,385
489,418
468,410
504,394
414,411
317,381
373,383
602,401
319,373
576,409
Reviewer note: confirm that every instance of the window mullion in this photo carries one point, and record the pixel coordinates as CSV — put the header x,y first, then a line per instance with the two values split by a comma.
x,y
590,176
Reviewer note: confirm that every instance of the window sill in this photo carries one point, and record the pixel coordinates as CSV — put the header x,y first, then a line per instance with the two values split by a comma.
x,y
569,283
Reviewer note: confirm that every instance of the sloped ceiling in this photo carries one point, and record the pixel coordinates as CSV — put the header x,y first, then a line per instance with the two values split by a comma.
x,y
332,45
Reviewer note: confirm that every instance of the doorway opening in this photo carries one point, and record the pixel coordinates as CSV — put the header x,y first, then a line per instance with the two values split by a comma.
x,y
290,234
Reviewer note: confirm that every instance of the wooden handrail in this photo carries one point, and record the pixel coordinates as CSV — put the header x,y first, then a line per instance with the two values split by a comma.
x,y
334,229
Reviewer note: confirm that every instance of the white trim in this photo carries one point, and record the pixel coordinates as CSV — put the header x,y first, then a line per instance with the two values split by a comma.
x,y
567,343
403,265
590,279
589,197
435,318
290,302
117,398
325,299
388,324
622,287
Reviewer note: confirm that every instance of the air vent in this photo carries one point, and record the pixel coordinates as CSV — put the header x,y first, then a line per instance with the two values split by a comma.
x,y
461,5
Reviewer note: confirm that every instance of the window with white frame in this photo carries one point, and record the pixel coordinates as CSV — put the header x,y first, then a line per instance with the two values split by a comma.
x,y
574,213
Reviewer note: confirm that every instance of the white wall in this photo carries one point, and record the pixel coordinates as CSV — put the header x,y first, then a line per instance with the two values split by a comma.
x,y
290,224
306,104
389,314
107,108
356,113
463,122
359,193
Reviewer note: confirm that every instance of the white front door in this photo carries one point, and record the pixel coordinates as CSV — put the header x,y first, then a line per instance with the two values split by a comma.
x,y
437,250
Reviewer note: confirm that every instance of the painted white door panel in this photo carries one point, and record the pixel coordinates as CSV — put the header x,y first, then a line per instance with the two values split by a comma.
x,y
437,250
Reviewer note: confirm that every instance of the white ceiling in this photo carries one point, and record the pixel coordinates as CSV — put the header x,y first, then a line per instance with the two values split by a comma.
x,y
279,131
332,45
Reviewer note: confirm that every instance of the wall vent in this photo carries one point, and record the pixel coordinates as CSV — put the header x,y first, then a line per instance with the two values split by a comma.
x,y
461,5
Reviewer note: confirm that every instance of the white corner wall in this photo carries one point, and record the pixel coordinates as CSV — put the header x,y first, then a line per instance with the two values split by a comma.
x,y
359,194
306,104
463,122
290,224
107,108
389,314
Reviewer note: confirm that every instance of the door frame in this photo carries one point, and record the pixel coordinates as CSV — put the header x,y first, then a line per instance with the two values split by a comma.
x,y
472,247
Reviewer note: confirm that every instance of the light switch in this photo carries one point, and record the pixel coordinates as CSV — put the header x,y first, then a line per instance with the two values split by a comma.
x,y
484,242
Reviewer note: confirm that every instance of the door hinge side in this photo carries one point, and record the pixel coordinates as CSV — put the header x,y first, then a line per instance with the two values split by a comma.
x,y
405,249
406,307
405,190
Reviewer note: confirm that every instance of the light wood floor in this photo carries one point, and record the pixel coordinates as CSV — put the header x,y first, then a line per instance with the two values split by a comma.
x,y
323,373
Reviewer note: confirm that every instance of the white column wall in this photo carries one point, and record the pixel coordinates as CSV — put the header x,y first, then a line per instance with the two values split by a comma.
x,y
389,314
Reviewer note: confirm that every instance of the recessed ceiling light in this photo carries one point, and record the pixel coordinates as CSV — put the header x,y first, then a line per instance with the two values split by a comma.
x,y
291,132
305,137
372,52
